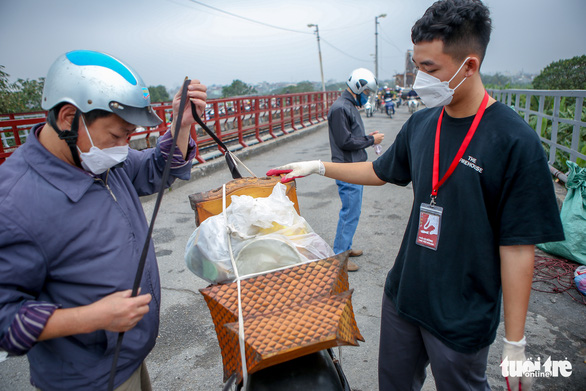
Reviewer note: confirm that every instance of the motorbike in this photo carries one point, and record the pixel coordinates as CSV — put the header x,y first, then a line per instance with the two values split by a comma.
x,y
389,107
413,105
368,109
320,371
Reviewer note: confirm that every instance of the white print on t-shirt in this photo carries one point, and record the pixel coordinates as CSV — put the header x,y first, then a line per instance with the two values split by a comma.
x,y
431,225
471,162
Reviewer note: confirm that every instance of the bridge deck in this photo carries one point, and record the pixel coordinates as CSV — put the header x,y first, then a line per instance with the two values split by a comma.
x,y
187,356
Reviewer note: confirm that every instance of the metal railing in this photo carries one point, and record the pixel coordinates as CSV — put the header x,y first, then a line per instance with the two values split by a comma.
x,y
558,118
239,122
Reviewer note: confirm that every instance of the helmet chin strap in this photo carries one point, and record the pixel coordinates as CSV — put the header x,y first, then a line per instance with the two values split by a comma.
x,y
70,136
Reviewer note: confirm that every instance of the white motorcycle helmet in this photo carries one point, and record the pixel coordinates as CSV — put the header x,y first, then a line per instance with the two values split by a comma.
x,y
360,80
92,80
362,83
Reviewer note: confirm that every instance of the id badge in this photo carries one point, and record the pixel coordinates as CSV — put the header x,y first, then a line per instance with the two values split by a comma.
x,y
428,232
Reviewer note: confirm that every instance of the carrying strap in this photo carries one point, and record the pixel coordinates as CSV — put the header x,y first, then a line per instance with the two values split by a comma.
x,y
231,159
145,249
241,335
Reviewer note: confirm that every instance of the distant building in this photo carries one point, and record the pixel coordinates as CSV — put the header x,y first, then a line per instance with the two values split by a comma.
x,y
407,78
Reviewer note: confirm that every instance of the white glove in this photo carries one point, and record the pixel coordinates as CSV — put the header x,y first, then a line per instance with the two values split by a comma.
x,y
515,352
298,170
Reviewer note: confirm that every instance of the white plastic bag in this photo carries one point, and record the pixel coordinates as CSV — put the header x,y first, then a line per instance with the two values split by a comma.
x,y
270,231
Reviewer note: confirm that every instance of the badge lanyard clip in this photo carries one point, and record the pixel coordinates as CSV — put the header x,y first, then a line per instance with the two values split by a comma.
x,y
433,198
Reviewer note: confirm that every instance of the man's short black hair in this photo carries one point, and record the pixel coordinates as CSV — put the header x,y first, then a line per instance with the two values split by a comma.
x,y
464,26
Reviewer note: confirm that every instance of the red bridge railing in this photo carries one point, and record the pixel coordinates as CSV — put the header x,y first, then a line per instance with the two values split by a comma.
x,y
239,122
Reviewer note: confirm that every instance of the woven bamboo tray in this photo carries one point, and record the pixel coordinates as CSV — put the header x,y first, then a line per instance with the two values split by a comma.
x,y
287,314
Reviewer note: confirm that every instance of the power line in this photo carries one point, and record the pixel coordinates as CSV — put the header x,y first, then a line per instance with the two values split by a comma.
x,y
346,27
389,41
344,53
278,27
249,19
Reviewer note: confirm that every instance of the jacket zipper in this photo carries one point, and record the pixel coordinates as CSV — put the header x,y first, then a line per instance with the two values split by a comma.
x,y
105,182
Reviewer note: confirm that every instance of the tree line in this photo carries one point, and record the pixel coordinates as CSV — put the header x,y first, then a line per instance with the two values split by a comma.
x,y
24,95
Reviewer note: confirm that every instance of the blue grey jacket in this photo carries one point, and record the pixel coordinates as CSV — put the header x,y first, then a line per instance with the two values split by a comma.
x,y
67,238
347,135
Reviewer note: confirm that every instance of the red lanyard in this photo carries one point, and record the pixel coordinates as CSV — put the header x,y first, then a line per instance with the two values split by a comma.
x,y
435,184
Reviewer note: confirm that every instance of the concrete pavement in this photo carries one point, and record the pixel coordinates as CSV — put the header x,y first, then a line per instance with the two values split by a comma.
x,y
187,356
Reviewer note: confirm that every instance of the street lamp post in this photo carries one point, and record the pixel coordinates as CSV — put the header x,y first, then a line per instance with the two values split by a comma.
x,y
376,44
321,68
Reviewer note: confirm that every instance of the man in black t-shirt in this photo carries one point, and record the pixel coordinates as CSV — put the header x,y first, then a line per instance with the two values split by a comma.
x,y
483,196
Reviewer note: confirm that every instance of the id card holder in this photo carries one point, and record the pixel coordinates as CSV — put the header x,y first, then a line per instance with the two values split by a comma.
x,y
428,232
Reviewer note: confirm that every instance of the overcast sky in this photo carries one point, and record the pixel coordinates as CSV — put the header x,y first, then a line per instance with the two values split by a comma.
x,y
166,40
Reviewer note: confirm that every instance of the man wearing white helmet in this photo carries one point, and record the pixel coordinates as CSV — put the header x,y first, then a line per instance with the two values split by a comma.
x,y
73,227
348,142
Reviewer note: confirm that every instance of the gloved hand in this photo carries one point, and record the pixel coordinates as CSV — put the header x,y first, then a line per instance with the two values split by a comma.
x,y
298,170
515,351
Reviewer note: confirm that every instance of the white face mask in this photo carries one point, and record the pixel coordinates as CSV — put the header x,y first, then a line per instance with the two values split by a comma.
x,y
434,92
98,160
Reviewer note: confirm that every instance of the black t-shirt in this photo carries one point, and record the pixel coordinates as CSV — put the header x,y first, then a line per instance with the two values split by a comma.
x,y
501,193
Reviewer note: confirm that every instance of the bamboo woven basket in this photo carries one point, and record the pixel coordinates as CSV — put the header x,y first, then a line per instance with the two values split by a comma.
x,y
287,313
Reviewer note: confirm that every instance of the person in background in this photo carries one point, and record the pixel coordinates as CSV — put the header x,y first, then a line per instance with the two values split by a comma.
x,y
73,226
348,143
483,197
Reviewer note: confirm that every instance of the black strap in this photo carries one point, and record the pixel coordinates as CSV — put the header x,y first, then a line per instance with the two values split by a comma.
x,y
147,241
70,136
232,166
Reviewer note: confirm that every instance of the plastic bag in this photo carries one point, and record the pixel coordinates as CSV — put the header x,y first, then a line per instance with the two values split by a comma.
x,y
580,279
266,233
573,216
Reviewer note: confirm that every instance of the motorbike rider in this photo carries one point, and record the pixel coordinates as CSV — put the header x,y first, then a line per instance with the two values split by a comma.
x,y
389,103
399,92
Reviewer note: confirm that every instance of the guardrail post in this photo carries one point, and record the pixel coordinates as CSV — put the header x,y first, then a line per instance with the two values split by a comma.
x,y
257,119
270,103
162,128
309,99
239,104
554,129
2,152
15,134
301,103
282,106
193,132
576,128
293,113
217,123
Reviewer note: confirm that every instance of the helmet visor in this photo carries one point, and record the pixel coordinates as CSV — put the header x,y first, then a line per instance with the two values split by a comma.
x,y
140,116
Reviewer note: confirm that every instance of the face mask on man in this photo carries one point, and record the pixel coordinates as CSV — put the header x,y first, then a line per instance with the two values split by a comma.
x,y
434,92
362,98
98,160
